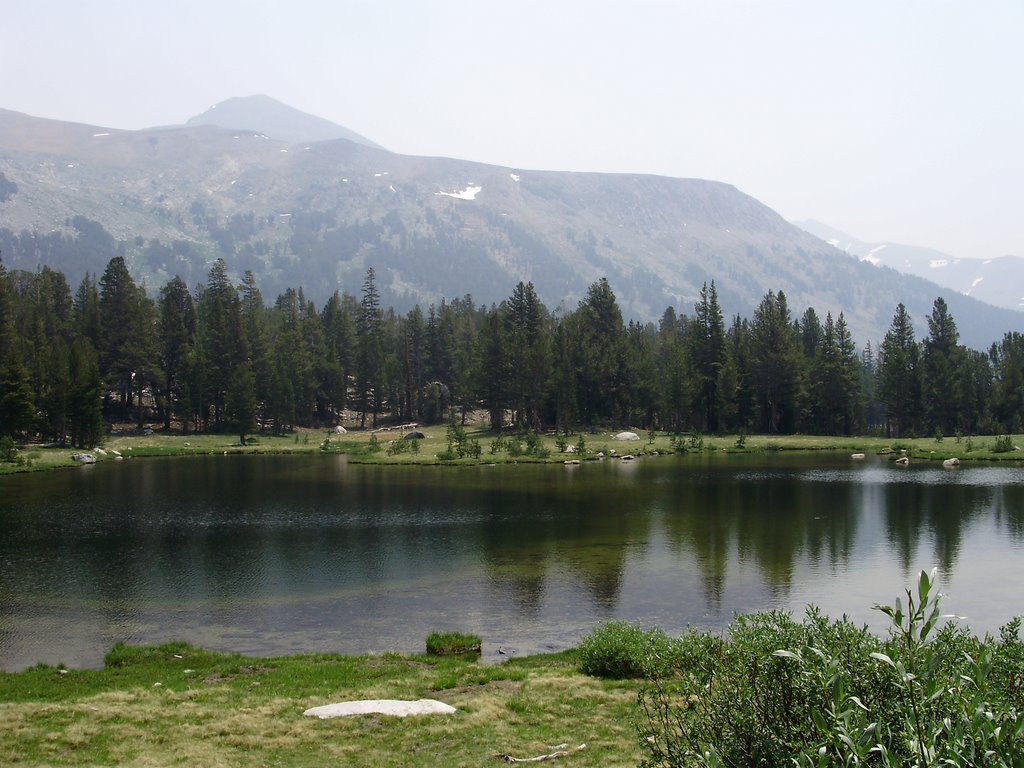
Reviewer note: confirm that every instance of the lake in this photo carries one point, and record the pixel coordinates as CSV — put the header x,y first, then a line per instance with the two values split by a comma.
x,y
270,555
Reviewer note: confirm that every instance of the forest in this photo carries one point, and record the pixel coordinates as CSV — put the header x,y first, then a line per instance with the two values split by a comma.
x,y
217,357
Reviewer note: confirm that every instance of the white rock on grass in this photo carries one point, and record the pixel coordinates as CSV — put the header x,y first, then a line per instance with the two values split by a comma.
x,y
626,436
394,707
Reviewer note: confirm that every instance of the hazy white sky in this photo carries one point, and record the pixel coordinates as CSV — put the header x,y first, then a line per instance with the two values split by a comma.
x,y
888,119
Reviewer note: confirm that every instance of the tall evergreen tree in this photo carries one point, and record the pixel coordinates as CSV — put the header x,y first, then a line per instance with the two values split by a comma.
x,y
529,354
706,337
942,388
598,355
370,365
127,344
899,382
177,336
774,364
85,410
221,336
1007,359
493,369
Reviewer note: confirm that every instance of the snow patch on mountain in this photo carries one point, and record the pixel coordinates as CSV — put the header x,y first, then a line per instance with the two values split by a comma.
x,y
469,193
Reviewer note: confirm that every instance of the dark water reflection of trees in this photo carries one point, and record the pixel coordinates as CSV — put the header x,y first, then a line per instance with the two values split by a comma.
x,y
277,539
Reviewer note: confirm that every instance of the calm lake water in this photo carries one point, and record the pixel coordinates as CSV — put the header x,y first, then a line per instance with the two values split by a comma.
x,y
280,554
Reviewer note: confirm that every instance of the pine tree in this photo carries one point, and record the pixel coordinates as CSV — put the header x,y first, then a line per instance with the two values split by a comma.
x,y
85,399
240,402
370,365
899,383
706,341
220,331
774,364
177,336
942,384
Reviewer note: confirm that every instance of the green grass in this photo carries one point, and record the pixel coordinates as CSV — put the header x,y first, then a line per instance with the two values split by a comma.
x,y
178,705
357,446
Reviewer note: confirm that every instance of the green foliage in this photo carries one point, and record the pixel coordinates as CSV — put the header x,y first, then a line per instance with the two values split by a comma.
x,y
8,450
397,447
452,644
620,650
1003,444
823,693
373,445
695,441
741,440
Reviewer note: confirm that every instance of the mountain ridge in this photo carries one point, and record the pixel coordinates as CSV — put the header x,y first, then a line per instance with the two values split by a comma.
x,y
997,281
174,199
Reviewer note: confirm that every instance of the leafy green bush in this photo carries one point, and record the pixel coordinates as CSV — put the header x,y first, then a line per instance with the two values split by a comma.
x,y
452,644
830,693
621,650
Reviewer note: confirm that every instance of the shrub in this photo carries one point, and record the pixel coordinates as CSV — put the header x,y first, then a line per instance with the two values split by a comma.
x,y
1003,444
8,450
452,644
621,650
833,694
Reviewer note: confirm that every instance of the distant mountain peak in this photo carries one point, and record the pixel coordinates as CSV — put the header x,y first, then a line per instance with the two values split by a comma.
x,y
266,115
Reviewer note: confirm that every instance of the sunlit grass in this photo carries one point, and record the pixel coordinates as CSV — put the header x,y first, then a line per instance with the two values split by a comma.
x,y
176,705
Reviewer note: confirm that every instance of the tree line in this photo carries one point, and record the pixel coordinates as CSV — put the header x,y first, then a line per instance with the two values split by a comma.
x,y
219,358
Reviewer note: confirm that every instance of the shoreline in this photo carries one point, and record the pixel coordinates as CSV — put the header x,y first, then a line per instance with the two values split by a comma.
x,y
367,447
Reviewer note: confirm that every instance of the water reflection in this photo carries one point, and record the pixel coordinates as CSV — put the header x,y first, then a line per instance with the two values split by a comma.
x,y
283,554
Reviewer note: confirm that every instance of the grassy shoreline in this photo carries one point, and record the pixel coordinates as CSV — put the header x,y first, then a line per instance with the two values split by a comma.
x,y
174,704
357,447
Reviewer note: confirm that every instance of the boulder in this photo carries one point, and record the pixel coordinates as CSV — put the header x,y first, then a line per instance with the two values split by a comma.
x,y
626,436
340,430
414,435
395,707
950,463
903,461
857,456
84,458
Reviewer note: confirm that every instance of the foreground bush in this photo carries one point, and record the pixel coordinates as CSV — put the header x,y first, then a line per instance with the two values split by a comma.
x,y
620,650
821,693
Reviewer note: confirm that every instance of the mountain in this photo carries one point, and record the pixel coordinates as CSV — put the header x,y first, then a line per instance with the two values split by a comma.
x,y
262,114
318,214
998,281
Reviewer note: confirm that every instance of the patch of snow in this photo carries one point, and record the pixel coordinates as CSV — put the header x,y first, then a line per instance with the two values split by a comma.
x,y
284,215
100,134
833,242
392,188
515,176
283,150
987,261
377,175
469,193
71,165
938,263
345,180
875,250
976,281
872,260
234,182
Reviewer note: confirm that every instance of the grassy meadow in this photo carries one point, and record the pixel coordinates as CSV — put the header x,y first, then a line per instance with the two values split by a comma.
x,y
387,447
176,705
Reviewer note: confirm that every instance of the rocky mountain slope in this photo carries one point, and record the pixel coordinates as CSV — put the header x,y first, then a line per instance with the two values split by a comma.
x,y
316,214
